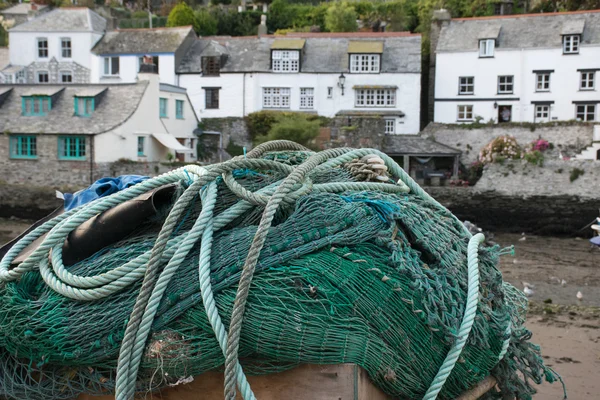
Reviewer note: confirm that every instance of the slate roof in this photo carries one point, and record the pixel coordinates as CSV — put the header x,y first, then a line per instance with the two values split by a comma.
x,y
416,145
117,105
143,41
22,8
520,31
323,52
74,19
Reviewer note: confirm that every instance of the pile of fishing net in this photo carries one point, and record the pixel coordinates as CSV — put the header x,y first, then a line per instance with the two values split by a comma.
x,y
259,264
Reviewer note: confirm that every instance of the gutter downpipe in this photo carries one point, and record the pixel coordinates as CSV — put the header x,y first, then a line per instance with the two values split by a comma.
x,y
92,159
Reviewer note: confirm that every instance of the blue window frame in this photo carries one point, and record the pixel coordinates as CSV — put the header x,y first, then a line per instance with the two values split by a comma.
x,y
71,148
23,147
163,108
36,105
84,106
141,146
179,109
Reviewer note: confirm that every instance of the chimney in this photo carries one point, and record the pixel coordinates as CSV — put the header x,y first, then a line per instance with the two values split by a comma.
x,y
33,6
441,18
148,66
262,28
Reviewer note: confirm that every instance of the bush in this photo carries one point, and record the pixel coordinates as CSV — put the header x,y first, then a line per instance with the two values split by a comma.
x,y
181,15
139,14
236,24
535,157
297,128
575,174
260,123
341,17
499,149
205,23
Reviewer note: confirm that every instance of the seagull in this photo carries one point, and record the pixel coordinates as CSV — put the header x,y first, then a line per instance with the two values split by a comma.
x,y
563,283
579,295
528,292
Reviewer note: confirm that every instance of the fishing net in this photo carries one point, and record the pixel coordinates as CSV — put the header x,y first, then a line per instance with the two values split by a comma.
x,y
356,267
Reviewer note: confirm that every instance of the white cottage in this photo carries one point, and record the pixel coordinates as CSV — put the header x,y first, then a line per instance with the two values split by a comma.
x,y
53,48
332,74
518,68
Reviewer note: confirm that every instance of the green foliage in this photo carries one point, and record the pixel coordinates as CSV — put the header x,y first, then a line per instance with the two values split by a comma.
x,y
181,15
341,17
139,14
575,174
233,149
500,149
259,123
205,23
535,157
296,127
236,24
130,23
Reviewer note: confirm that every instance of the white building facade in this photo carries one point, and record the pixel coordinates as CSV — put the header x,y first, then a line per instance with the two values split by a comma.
x,y
350,74
520,68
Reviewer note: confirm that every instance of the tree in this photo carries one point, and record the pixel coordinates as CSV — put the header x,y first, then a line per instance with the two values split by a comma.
x,y
296,127
181,15
205,23
341,17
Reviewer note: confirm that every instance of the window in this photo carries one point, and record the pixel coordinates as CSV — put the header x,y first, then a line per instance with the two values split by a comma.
x,y
329,92
140,146
466,85
505,84
307,97
390,126
36,105
154,61
285,60
84,106
23,147
42,77
71,147
375,97
587,80
179,109
542,82
486,47
586,112
211,66
65,46
163,106
465,113
66,77
111,66
42,45
20,76
211,98
276,97
570,44
542,112
367,63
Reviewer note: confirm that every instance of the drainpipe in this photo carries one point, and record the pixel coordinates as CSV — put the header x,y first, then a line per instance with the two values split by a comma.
x,y
244,95
91,159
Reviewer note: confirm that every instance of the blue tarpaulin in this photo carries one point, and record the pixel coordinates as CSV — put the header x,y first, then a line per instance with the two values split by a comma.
x,y
100,188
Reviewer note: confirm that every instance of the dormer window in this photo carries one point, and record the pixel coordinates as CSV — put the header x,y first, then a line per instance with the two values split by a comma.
x,y
84,106
211,66
486,48
365,63
571,44
286,61
37,106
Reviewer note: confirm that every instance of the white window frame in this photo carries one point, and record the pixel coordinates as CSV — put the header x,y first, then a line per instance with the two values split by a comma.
x,y
20,76
463,83
66,73
540,110
586,112
384,98
365,63
307,98
509,81
486,48
276,97
107,66
463,112
390,126
571,44
37,76
285,61
587,80
543,78
40,49
69,49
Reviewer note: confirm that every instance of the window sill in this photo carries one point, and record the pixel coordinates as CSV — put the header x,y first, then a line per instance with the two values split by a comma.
x,y
23,157
276,108
71,158
587,90
164,117
486,56
542,91
571,54
466,94
179,118
465,120
501,93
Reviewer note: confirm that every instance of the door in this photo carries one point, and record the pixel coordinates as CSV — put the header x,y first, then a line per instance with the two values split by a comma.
x,y
504,114
542,113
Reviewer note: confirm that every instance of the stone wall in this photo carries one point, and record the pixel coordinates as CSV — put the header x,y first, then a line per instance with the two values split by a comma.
x,y
234,135
568,137
356,132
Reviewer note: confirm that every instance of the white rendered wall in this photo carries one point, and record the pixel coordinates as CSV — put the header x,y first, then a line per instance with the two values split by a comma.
x,y
564,82
129,67
233,102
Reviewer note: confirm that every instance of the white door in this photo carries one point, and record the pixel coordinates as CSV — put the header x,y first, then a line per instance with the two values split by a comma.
x,y
542,113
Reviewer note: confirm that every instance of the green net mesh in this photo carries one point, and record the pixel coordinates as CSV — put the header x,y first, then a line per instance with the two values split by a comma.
x,y
365,277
